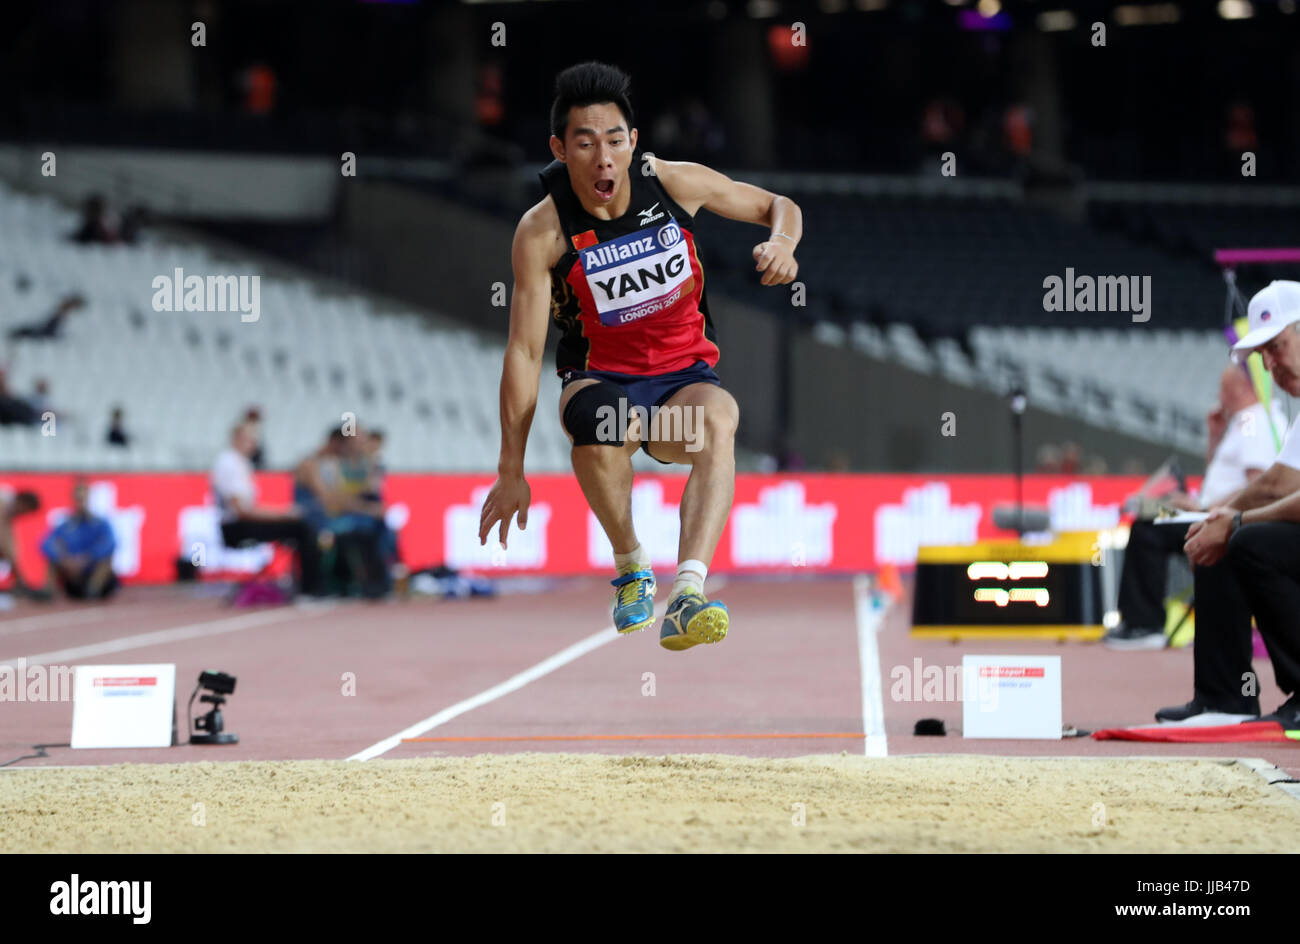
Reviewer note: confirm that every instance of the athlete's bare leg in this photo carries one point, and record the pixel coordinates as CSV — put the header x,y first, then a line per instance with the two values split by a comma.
x,y
605,474
700,432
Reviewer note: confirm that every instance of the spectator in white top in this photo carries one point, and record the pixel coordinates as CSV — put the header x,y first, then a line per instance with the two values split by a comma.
x,y
243,519
1241,446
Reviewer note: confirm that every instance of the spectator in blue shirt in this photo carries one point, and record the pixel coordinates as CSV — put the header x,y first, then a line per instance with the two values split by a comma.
x,y
80,552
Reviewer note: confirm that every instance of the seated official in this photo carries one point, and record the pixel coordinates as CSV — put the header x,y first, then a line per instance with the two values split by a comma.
x,y
80,552
1246,553
1241,446
242,519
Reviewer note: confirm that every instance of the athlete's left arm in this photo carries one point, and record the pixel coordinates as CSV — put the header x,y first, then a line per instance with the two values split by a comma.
x,y
695,186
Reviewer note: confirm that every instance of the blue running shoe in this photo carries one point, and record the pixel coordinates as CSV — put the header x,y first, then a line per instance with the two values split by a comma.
x,y
692,620
634,603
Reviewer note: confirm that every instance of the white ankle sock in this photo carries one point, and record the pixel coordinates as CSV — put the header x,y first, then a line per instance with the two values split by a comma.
x,y
690,576
635,559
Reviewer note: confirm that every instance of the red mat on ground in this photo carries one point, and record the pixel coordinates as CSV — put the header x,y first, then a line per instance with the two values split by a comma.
x,y
1217,734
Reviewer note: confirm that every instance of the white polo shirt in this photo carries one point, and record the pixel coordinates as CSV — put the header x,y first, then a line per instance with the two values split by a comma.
x,y
1247,444
1290,454
232,477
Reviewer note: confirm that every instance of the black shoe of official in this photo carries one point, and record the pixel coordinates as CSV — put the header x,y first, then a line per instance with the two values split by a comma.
x,y
1199,711
1125,636
1288,715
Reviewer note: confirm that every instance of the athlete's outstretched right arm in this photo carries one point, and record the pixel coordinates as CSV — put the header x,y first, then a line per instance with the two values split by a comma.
x,y
529,311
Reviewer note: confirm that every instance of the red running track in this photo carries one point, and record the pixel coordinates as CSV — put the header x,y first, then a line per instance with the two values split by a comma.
x,y
790,665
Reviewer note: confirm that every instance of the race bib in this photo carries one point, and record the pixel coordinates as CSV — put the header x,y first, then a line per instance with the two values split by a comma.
x,y
638,275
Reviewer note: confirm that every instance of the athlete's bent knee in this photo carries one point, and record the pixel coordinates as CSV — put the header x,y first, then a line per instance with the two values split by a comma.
x,y
592,415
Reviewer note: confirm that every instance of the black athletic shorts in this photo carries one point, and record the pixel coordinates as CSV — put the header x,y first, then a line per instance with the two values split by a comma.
x,y
648,392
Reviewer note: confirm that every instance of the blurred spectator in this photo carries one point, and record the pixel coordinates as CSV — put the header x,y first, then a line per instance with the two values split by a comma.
x,y
11,509
99,222
134,221
1240,135
39,401
838,461
1017,130
52,327
942,121
1048,460
338,487
357,491
375,493
789,459
489,104
14,410
117,435
242,519
1071,458
312,494
253,420
80,552
258,83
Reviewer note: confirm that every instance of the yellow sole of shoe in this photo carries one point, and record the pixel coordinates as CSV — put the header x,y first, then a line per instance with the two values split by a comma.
x,y
708,626
635,628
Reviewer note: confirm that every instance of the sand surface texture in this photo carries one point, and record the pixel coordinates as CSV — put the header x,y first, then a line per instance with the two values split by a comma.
x,y
694,803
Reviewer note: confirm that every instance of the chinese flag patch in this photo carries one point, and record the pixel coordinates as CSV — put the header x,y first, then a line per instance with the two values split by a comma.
x,y
583,240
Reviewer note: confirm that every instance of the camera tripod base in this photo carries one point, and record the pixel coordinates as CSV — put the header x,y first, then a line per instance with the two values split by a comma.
x,y
214,738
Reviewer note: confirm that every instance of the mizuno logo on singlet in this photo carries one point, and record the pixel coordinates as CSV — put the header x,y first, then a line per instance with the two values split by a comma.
x,y
649,216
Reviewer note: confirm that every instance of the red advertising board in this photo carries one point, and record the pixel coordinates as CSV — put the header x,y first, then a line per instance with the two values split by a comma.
x,y
778,522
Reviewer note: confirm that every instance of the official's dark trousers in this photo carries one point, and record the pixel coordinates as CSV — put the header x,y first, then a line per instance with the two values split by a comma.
x,y
292,530
1259,574
1146,567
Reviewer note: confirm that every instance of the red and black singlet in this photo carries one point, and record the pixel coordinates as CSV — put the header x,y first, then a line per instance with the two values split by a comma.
x,y
628,294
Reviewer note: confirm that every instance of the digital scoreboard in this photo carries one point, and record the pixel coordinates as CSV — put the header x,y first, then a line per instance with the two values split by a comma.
x,y
1007,589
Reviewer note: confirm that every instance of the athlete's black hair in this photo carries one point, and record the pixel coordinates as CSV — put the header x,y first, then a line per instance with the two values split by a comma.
x,y
589,83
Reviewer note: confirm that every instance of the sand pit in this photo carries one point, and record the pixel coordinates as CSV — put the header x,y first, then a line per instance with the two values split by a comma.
x,y
694,803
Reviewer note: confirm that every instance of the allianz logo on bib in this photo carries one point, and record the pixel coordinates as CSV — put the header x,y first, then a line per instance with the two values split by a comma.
x,y
633,246
670,234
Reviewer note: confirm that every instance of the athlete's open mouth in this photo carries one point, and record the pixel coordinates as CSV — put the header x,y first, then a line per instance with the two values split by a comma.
x,y
605,188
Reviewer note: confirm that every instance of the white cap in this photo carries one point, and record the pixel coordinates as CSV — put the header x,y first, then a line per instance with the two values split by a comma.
x,y
1271,309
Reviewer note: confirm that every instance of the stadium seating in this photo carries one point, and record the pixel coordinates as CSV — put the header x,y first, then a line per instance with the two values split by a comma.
x,y
939,285
931,282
